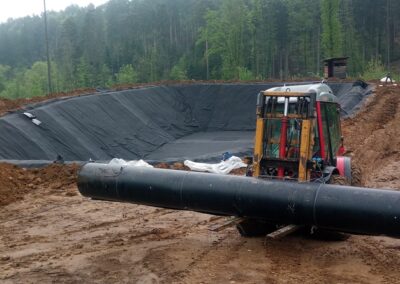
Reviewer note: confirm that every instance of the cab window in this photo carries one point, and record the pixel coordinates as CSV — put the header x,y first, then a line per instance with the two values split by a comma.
x,y
331,127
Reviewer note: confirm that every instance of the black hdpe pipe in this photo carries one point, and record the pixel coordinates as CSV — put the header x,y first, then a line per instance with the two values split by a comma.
x,y
341,208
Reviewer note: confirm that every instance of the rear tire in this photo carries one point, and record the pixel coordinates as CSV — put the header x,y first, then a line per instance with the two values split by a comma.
x,y
339,180
255,228
355,175
328,235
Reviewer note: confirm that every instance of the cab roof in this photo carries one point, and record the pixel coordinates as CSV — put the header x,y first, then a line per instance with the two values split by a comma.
x,y
323,91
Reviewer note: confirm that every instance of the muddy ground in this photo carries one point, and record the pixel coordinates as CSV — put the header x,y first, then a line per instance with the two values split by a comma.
x,y
49,233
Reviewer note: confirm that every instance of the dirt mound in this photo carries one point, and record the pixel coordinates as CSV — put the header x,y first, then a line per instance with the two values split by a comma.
x,y
373,138
7,105
15,182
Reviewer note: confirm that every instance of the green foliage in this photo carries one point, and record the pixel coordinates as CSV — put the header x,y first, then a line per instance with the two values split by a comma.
x,y
332,35
227,32
67,55
83,74
150,40
32,82
149,66
178,72
245,74
374,70
126,75
105,76
13,88
35,80
4,75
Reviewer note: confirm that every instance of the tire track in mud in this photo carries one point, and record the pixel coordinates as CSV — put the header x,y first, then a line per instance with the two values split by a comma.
x,y
110,238
35,215
93,227
384,260
187,244
217,258
200,259
155,261
296,259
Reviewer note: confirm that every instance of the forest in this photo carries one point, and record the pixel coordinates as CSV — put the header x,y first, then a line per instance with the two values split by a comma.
x,y
138,41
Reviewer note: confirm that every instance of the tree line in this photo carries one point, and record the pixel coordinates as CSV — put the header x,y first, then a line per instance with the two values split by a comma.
x,y
129,41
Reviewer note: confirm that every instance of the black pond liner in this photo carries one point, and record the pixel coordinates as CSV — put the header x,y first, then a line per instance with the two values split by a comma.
x,y
158,124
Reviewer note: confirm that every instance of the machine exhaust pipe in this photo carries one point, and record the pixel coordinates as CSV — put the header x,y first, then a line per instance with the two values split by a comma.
x,y
340,208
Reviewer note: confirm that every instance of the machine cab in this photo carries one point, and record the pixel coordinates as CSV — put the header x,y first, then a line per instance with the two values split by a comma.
x,y
296,126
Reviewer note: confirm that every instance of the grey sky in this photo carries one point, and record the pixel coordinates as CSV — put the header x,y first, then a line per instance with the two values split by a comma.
x,y
20,8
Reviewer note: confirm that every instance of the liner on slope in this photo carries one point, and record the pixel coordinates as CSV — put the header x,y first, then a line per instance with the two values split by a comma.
x,y
164,123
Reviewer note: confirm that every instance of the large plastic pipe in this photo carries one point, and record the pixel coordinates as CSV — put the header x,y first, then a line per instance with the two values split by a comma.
x,y
346,209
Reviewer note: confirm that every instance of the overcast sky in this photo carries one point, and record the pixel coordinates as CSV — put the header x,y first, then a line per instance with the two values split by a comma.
x,y
20,8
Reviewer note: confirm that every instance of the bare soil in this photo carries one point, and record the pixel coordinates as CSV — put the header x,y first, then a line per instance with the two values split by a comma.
x,y
7,105
372,137
49,233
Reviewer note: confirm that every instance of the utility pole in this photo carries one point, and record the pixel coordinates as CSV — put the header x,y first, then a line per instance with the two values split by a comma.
x,y
388,34
50,89
207,62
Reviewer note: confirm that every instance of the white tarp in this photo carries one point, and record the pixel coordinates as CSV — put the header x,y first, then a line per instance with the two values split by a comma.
x,y
386,79
139,163
224,167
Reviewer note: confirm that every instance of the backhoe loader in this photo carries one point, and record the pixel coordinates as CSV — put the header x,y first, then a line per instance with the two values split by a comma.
x,y
298,138
298,135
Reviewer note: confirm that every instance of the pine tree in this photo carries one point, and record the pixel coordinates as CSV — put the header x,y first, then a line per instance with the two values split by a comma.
x,y
332,35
